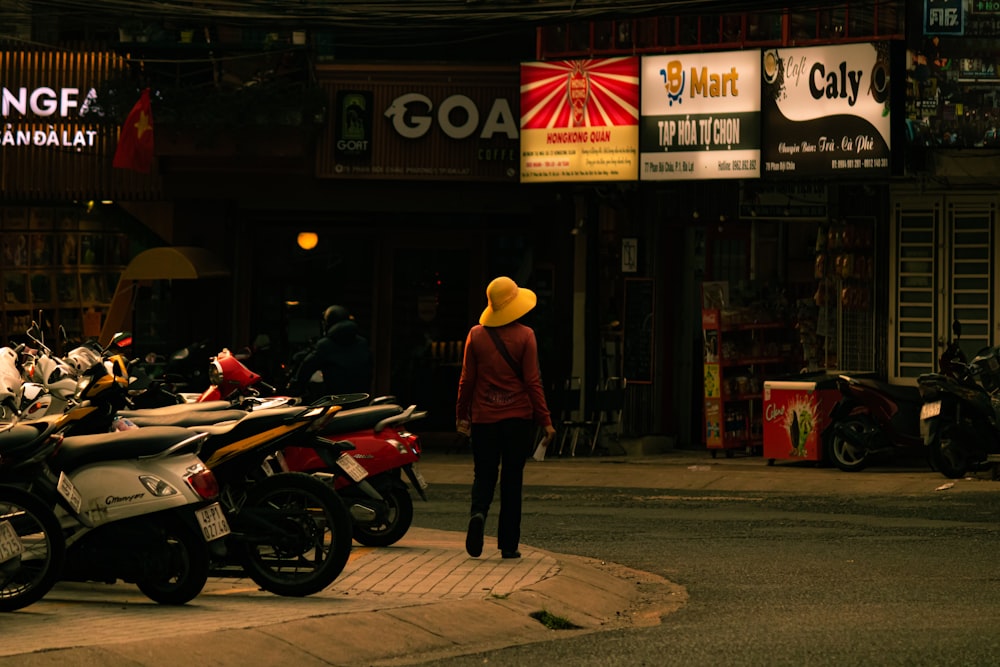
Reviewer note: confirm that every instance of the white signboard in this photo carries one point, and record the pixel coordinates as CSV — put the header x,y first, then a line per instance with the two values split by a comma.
x,y
700,116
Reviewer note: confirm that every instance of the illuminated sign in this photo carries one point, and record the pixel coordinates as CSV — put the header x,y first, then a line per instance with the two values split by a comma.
x,y
44,102
825,110
458,125
700,116
580,120
944,17
23,107
499,119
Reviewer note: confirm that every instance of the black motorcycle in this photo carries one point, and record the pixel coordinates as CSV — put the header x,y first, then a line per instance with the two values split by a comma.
x,y
960,415
873,419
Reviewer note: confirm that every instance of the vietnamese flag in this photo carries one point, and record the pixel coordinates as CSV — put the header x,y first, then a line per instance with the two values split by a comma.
x,y
135,143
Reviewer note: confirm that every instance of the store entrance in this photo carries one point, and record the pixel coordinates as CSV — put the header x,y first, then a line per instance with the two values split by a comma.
x,y
943,268
429,321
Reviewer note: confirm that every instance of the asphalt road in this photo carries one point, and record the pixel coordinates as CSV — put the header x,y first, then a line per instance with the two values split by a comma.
x,y
774,578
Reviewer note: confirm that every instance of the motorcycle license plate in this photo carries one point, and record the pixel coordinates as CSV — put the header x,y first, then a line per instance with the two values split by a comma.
x,y
69,491
932,409
354,469
213,522
420,478
10,542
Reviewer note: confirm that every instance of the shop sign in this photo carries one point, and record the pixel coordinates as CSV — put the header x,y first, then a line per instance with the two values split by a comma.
x,y
825,111
462,128
28,114
945,17
353,131
44,102
413,124
700,116
580,120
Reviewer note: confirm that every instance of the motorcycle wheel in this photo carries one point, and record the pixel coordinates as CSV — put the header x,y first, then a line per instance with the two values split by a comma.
x,y
188,560
26,578
399,517
846,455
310,540
948,455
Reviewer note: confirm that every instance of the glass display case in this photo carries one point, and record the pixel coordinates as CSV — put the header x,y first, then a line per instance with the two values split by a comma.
x,y
60,262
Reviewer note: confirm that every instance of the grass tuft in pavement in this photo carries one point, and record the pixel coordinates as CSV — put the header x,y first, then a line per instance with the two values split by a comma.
x,y
553,622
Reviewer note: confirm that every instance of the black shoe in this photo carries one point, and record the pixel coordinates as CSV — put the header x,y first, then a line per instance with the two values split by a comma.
x,y
474,536
510,554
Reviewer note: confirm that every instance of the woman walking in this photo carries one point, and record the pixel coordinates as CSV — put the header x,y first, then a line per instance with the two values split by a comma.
x,y
500,404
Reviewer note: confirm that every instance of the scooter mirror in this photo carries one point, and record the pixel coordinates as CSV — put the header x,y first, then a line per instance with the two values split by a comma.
x,y
956,329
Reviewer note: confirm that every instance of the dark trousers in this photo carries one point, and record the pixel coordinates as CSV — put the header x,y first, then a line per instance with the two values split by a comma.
x,y
500,450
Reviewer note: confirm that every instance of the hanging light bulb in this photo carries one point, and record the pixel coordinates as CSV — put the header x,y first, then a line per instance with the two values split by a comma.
x,y
307,240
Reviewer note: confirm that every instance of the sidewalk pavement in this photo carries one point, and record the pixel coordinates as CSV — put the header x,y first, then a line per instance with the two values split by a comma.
x,y
423,598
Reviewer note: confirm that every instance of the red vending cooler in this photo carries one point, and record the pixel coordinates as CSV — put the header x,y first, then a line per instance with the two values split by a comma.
x,y
795,414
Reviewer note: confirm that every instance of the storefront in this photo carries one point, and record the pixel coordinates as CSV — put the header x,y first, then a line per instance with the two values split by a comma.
x,y
415,205
64,234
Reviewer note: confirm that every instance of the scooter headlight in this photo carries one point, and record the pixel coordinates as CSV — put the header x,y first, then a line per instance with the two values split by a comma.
x,y
215,375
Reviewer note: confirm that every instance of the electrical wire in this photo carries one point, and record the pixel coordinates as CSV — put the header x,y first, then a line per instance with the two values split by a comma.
x,y
396,14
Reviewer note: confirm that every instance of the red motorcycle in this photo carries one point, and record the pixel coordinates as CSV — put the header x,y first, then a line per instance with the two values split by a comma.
x,y
370,478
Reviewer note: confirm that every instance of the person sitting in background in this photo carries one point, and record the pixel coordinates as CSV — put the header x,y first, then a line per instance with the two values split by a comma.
x,y
341,354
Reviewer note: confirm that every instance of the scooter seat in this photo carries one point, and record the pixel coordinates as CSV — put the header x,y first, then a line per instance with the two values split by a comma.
x,y
177,409
357,419
248,423
187,419
899,393
21,440
79,450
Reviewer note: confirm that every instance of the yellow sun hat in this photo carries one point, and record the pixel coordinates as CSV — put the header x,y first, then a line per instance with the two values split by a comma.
x,y
507,302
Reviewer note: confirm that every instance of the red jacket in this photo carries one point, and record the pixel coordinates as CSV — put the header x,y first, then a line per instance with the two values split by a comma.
x,y
489,390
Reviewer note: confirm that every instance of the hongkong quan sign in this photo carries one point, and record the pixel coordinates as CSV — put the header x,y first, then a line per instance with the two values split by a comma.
x,y
700,116
825,110
580,120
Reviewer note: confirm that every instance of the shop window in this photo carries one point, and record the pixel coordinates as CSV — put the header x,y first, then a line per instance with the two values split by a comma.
x,y
648,33
732,28
554,39
831,23
579,37
763,27
861,21
604,35
710,29
890,19
62,261
688,31
802,26
623,34
666,28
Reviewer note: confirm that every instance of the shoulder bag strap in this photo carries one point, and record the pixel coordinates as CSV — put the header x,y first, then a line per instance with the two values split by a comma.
x,y
503,351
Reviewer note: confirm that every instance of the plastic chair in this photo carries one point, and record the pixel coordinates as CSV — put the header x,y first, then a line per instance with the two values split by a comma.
x,y
569,408
609,402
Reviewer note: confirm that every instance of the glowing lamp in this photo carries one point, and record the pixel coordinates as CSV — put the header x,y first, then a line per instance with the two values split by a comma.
x,y
307,240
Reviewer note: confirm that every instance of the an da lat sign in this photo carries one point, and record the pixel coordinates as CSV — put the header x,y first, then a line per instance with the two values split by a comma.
x,y
29,117
580,120
700,116
825,110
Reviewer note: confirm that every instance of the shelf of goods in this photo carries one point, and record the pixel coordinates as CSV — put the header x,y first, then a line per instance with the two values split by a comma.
x,y
742,348
57,263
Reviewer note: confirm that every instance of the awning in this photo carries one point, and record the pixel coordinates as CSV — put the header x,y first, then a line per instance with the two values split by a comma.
x,y
174,262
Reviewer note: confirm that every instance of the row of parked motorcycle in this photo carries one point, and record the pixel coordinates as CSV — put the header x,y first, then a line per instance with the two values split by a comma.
x,y
224,482
953,415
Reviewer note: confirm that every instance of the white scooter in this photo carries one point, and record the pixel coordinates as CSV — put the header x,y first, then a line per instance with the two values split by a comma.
x,y
50,381
11,386
135,505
